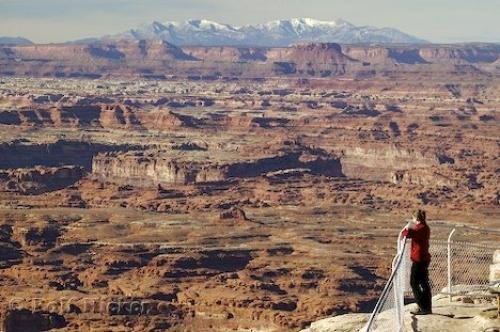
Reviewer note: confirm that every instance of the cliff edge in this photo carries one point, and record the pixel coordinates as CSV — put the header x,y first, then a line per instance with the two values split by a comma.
x,y
464,314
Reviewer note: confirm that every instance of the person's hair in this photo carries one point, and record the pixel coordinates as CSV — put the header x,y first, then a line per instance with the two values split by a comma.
x,y
420,215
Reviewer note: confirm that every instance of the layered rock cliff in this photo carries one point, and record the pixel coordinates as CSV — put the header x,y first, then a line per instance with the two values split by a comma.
x,y
385,163
150,169
143,170
160,60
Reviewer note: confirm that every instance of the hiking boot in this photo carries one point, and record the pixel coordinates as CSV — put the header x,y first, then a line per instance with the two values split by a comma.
x,y
421,312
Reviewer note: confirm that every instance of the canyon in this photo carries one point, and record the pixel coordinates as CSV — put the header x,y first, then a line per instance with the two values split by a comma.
x,y
146,186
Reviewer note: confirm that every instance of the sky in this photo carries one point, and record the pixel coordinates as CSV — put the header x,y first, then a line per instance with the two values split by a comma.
x,y
440,21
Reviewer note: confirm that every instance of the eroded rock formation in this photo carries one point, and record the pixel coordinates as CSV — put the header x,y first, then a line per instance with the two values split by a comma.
x,y
233,203
161,60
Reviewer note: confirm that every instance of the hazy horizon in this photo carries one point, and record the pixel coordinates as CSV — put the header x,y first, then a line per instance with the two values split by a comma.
x,y
46,21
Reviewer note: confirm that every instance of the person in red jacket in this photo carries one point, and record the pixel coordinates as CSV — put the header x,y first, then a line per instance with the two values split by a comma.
x,y
420,233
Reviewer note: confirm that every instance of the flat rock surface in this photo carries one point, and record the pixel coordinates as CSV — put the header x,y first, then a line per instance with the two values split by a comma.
x,y
446,317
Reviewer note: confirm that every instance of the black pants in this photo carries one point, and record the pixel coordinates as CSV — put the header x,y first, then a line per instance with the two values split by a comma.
x,y
419,281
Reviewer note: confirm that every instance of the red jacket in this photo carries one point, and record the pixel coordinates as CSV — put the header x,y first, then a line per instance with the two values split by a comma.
x,y
419,242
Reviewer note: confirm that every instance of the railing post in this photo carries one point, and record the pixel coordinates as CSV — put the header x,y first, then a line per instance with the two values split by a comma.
x,y
449,263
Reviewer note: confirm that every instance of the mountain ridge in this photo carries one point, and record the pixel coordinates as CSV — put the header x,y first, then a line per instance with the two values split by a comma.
x,y
277,33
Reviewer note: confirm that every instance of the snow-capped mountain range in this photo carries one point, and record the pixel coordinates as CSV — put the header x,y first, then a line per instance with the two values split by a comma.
x,y
274,33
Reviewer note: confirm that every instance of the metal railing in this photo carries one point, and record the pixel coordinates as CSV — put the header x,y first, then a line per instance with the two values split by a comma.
x,y
460,267
388,314
457,268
